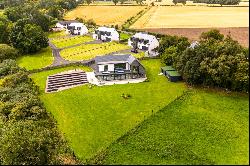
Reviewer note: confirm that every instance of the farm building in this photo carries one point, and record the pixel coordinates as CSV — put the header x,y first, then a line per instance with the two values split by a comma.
x,y
77,29
171,73
106,34
118,67
144,41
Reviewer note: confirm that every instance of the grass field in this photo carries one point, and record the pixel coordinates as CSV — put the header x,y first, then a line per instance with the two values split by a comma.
x,y
193,17
105,15
36,61
56,34
91,119
69,41
89,51
200,128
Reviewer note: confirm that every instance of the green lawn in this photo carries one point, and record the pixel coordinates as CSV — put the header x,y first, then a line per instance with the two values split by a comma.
x,y
69,41
200,128
91,119
36,61
89,51
124,36
57,34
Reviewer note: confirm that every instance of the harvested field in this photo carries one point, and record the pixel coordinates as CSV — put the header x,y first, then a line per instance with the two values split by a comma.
x,y
193,17
105,15
239,34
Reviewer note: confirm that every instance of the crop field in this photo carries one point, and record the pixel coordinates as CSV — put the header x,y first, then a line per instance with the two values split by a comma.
x,y
36,61
239,34
92,118
69,41
193,17
89,51
203,127
105,15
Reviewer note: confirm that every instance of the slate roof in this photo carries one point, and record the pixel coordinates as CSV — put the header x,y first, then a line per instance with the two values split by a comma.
x,y
68,22
109,58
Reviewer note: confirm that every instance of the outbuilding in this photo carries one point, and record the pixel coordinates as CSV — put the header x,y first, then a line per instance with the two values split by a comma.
x,y
171,73
106,34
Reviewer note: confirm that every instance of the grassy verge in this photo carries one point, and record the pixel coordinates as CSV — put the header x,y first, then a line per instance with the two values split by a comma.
x,y
89,51
69,41
36,61
91,119
202,127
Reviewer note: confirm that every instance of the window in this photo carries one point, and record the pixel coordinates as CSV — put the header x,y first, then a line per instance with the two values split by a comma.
x,y
106,68
108,33
120,66
78,28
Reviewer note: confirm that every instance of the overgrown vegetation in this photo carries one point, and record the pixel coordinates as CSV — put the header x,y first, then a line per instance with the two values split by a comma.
x,y
28,134
215,61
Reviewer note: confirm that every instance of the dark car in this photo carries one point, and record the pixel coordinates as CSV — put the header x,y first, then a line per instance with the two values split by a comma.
x,y
134,50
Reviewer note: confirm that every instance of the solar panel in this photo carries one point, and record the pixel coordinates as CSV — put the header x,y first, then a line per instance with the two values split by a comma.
x,y
67,80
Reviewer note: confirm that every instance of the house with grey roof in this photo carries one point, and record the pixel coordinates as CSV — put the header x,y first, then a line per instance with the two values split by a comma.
x,y
65,24
118,67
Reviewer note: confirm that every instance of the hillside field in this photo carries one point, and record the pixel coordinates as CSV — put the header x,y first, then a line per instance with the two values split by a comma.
x,y
91,119
105,15
203,127
193,17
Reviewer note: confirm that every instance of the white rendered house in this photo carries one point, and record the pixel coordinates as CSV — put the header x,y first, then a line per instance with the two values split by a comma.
x,y
106,34
65,24
145,42
77,29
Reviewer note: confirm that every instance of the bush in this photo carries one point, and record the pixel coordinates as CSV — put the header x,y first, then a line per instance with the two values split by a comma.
x,y
8,67
7,52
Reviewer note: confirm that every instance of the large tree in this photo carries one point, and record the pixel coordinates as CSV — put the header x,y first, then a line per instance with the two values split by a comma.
x,y
28,37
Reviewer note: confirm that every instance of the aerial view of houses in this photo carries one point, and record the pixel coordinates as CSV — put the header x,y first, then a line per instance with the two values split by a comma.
x,y
108,82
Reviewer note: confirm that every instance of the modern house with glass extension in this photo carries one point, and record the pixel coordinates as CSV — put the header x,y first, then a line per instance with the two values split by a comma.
x,y
144,41
118,67
106,34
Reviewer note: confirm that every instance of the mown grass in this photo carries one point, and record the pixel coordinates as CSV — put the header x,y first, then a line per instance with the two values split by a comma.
x,y
69,41
124,36
200,128
91,119
36,61
89,51
57,34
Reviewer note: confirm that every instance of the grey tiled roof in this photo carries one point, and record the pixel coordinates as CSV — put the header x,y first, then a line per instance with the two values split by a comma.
x,y
68,22
126,57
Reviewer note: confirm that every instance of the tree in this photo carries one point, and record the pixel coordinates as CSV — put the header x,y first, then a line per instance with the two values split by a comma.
x,y
5,28
139,1
213,34
28,37
115,1
88,1
122,1
179,1
7,52
7,67
169,55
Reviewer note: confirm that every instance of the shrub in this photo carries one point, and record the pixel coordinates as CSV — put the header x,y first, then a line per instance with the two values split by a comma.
x,y
7,52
